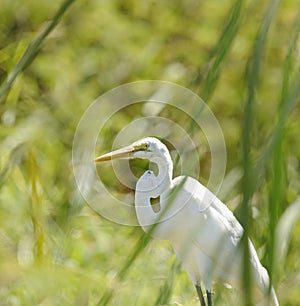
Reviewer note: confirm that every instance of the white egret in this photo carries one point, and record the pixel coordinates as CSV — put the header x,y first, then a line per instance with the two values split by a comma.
x,y
202,230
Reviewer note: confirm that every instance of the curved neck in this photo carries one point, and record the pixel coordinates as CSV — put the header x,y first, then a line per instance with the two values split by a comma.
x,y
162,181
151,186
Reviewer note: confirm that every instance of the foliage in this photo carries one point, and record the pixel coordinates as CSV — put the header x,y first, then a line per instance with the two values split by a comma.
x,y
241,57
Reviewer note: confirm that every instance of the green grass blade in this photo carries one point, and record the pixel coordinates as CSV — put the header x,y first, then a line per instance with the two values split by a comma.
x,y
222,48
276,198
14,159
33,49
253,76
290,102
218,55
289,63
278,186
165,291
283,232
36,204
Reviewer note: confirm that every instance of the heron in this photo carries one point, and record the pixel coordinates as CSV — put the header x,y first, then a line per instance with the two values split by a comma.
x,y
203,232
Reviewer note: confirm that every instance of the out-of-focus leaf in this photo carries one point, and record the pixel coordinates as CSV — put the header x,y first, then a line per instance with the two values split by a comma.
x,y
284,231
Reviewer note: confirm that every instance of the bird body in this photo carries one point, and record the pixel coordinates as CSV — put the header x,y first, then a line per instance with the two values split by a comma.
x,y
204,233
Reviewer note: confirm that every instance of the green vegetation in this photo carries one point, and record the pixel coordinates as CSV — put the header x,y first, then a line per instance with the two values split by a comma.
x,y
241,57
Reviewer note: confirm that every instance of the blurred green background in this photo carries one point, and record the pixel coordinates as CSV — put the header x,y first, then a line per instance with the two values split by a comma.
x,y
241,57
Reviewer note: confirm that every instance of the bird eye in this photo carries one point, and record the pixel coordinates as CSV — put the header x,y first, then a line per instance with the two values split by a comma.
x,y
146,146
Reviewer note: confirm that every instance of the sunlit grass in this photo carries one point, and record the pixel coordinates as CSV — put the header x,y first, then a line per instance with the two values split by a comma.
x,y
33,49
57,251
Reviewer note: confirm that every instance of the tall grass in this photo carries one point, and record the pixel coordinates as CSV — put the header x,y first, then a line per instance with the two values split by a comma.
x,y
36,204
253,77
28,173
222,48
278,189
34,48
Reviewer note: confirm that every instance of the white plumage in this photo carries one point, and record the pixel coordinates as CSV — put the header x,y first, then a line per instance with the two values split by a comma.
x,y
202,230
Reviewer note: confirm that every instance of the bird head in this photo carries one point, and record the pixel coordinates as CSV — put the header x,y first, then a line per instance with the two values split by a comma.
x,y
148,148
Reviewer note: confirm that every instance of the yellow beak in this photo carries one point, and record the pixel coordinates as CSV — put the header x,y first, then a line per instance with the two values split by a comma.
x,y
121,153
